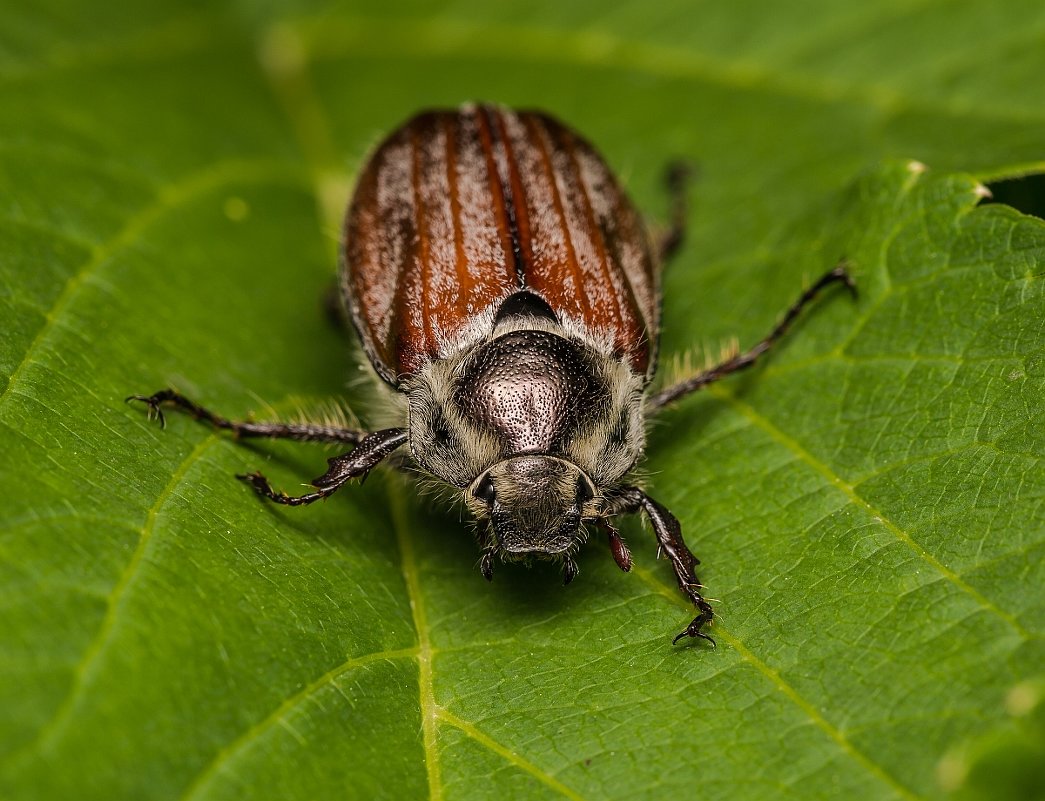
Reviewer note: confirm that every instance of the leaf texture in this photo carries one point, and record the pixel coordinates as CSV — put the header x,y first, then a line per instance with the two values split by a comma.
x,y
867,504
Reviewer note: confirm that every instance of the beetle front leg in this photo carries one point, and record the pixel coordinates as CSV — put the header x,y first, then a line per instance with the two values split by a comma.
x,y
354,464
669,536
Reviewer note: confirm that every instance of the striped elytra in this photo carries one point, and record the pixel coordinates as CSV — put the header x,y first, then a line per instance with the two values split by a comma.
x,y
457,210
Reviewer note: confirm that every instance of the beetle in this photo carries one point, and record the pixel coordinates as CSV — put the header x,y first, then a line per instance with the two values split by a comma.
x,y
504,286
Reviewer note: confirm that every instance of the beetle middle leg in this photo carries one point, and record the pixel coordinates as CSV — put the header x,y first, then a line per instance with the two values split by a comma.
x,y
370,450
669,536
744,360
357,463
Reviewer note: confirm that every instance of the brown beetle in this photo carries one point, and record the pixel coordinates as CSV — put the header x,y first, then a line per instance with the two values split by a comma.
x,y
501,281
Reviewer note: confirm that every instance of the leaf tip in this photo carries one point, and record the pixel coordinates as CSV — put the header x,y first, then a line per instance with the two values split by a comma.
x,y
982,191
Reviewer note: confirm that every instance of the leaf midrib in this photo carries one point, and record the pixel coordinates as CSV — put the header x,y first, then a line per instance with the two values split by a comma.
x,y
411,578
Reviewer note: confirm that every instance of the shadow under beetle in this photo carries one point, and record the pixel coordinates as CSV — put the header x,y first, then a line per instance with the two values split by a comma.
x,y
501,281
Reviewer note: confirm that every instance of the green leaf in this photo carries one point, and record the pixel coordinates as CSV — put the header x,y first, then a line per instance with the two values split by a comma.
x,y
867,504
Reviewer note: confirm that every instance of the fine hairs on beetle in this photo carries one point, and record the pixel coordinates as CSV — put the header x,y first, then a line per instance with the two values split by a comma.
x,y
503,284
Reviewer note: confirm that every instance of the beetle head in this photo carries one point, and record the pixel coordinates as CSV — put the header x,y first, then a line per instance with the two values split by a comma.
x,y
535,505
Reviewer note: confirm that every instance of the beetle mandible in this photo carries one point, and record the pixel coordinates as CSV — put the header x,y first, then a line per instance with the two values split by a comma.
x,y
500,279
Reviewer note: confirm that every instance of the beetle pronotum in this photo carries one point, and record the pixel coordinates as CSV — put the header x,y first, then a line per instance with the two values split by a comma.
x,y
501,281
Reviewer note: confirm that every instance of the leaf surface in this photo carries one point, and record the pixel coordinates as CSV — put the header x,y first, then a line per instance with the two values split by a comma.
x,y
867,504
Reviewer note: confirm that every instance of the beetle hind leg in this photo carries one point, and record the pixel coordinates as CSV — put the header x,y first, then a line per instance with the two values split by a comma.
x,y
300,432
357,463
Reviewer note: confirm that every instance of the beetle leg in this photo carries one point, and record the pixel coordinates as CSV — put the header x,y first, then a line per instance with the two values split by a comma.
x,y
743,360
262,487
676,179
333,308
669,537
354,464
302,432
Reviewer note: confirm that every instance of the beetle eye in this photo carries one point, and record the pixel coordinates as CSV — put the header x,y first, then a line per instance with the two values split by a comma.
x,y
584,493
485,491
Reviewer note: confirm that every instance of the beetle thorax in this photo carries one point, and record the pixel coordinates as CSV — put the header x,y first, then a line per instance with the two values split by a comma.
x,y
528,389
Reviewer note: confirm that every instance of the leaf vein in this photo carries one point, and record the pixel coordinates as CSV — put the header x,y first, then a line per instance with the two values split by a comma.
x,y
507,754
279,714
195,185
49,731
426,691
790,692
849,490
